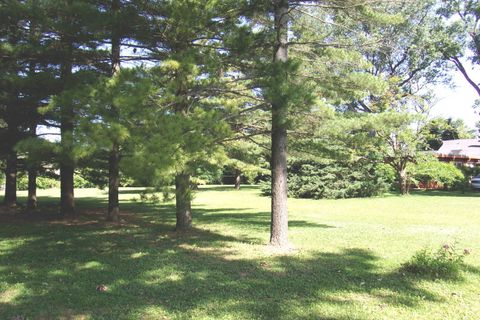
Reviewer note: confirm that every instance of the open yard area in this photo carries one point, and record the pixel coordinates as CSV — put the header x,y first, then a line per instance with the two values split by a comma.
x,y
346,265
289,140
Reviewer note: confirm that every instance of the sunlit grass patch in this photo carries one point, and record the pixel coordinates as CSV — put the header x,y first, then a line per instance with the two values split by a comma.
x,y
346,263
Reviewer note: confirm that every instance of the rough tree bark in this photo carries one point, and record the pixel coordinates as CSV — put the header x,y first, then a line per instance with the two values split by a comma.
x,y
32,177
279,218
113,183
33,168
32,189
114,158
238,179
183,202
10,199
403,180
67,200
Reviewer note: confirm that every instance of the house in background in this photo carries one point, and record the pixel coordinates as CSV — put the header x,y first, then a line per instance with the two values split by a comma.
x,y
462,152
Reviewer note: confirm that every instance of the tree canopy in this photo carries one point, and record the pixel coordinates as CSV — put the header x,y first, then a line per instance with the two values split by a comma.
x,y
163,92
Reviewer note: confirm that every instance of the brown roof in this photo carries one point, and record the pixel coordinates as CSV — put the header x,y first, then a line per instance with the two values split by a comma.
x,y
462,148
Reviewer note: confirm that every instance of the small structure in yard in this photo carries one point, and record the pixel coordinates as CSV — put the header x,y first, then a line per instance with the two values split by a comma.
x,y
462,151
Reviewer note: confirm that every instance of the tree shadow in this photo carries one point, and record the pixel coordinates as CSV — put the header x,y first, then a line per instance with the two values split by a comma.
x,y
132,190
150,271
245,217
225,188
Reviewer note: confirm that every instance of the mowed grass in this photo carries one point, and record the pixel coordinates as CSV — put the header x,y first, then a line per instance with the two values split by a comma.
x,y
346,264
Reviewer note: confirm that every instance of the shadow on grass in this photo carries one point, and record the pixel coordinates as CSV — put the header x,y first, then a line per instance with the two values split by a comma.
x,y
245,217
133,190
226,188
203,188
438,271
52,270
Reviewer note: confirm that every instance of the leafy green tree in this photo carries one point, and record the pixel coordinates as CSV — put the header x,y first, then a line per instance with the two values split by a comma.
x,y
441,129
277,28
245,159
461,42
462,35
368,140
401,140
428,169
405,53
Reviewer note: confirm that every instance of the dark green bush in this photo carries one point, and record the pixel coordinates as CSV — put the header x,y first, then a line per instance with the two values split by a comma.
x,y
42,182
80,182
445,174
47,183
318,179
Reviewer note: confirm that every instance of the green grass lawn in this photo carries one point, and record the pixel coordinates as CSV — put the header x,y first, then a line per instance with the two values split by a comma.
x,y
346,264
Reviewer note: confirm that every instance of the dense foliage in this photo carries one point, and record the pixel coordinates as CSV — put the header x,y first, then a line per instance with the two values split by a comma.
x,y
330,179
430,172
162,93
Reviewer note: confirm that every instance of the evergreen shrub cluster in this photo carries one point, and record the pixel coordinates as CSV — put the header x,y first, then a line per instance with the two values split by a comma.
x,y
327,179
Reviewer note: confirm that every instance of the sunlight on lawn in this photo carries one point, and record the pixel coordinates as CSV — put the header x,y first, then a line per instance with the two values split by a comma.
x,y
345,266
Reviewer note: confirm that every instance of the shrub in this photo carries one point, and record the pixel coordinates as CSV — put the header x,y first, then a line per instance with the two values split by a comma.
x,y
47,183
209,174
446,262
317,179
22,182
42,182
97,177
443,173
80,182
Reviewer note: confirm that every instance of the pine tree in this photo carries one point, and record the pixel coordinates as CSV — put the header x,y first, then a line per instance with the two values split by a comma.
x,y
21,92
270,28
71,29
185,121
114,158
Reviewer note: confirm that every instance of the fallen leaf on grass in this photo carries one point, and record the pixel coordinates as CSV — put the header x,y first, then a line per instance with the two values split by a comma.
x,y
102,288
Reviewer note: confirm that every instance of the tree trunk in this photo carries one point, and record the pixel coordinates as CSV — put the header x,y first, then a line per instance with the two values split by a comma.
x,y
403,181
114,159
183,199
32,189
10,199
238,179
67,200
279,219
32,177
113,184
